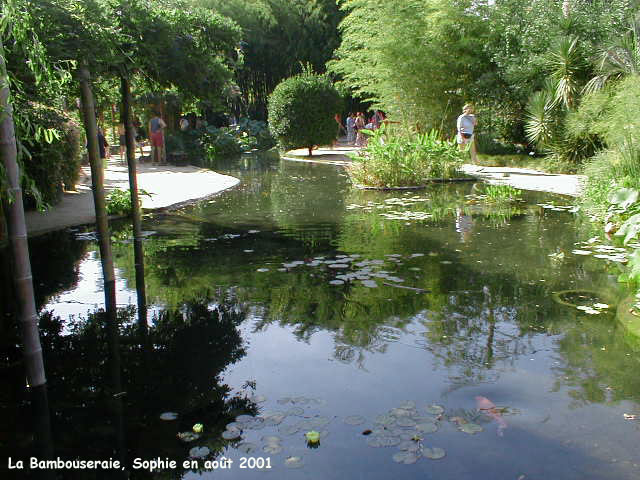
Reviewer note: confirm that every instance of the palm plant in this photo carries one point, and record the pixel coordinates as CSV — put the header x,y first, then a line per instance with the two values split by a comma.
x,y
541,116
567,66
618,59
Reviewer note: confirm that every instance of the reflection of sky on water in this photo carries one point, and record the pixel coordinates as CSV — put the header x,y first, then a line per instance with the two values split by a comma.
x,y
88,294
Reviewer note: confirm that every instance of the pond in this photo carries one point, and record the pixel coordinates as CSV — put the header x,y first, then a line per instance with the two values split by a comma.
x,y
421,334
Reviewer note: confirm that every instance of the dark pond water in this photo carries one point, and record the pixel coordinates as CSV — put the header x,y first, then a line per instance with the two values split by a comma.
x,y
286,299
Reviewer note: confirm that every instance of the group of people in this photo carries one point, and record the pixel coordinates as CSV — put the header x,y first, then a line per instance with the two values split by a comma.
x,y
156,137
358,122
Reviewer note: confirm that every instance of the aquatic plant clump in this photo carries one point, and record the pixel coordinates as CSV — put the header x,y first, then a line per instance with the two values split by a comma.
x,y
404,161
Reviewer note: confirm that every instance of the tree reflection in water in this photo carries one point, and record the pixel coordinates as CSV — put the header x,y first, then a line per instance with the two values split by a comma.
x,y
178,369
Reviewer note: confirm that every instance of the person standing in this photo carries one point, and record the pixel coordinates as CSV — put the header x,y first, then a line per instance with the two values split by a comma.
x,y
351,132
122,140
359,126
156,134
466,125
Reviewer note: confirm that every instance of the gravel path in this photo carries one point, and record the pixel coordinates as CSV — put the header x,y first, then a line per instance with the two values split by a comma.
x,y
168,185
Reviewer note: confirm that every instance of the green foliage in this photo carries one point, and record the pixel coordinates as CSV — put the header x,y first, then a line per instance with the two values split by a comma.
x,y
204,146
612,116
416,60
501,193
119,201
302,109
53,153
398,161
278,36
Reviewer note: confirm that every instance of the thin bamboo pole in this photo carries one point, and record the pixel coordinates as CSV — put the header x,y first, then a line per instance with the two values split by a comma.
x,y
27,313
97,180
136,213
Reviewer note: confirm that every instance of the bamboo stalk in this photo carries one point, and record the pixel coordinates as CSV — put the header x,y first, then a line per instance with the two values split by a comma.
x,y
27,313
136,213
97,180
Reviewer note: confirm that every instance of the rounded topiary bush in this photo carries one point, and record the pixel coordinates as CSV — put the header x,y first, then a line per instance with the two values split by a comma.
x,y
302,110
54,162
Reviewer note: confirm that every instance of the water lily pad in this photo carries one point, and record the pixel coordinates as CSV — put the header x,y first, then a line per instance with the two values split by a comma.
x,y
232,425
188,436
405,422
294,462
427,427
434,453
386,420
434,409
338,265
274,419
231,434
199,452
256,424
470,428
389,440
258,399
272,448
409,446
262,270
271,439
354,420
402,412
336,282
581,252
295,411
318,422
244,418
300,400
247,447
288,429
374,441
406,458
284,400
168,416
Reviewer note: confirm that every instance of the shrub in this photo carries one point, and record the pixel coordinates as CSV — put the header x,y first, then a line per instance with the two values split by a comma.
x,y
52,162
302,110
614,120
119,201
209,143
401,161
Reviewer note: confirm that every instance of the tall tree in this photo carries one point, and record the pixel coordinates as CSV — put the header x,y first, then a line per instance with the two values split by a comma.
x,y
416,60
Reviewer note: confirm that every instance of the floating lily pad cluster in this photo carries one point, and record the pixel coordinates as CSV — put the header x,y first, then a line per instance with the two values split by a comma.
x,y
350,268
390,203
405,427
598,250
294,417
560,208
595,309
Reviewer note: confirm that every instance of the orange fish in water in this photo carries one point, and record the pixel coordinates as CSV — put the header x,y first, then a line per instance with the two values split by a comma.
x,y
486,406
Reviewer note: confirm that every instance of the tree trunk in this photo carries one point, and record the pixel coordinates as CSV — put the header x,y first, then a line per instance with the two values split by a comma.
x,y
4,233
25,301
97,180
136,214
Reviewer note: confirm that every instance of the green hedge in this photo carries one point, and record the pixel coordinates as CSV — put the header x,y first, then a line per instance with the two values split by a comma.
x,y
52,164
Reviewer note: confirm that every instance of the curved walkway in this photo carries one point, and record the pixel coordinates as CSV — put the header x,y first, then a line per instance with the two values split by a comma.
x,y
523,178
169,186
